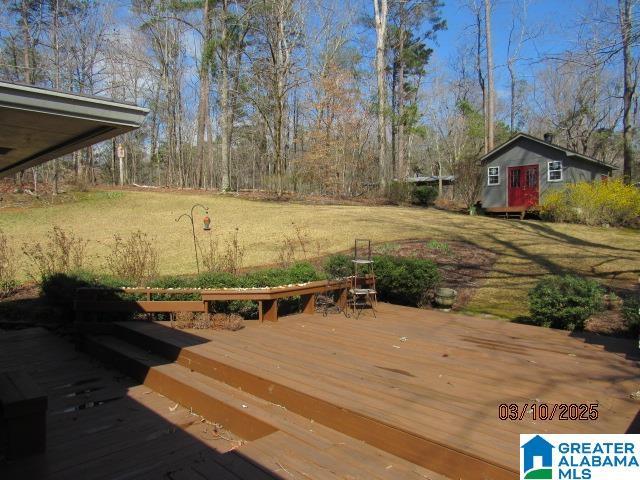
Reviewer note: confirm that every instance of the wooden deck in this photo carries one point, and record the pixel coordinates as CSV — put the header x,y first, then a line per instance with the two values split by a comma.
x,y
423,385
104,425
407,394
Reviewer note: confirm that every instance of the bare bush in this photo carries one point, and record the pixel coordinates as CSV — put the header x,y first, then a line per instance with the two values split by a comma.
x,y
135,258
7,267
226,258
297,247
63,252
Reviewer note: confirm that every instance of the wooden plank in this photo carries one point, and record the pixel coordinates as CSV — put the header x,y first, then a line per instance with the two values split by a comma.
x,y
142,306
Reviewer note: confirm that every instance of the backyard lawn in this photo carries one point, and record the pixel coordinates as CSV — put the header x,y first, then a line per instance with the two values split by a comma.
x,y
526,250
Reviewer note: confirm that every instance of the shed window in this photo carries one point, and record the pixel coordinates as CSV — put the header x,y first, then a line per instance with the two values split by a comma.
x,y
494,176
554,172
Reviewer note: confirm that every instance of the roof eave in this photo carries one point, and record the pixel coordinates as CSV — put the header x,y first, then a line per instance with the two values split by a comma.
x,y
44,101
104,119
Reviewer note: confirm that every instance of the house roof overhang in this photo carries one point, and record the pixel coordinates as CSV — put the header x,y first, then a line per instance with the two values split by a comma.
x,y
38,125
569,153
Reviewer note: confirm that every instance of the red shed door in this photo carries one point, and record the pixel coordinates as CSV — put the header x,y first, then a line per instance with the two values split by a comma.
x,y
523,186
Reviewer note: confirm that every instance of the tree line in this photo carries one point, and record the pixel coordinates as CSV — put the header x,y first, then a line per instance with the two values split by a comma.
x,y
325,97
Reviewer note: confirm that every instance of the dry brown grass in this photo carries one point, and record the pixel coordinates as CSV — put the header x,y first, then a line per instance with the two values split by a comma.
x,y
527,250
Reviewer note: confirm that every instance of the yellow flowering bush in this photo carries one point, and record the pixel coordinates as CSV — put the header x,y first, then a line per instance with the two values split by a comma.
x,y
593,203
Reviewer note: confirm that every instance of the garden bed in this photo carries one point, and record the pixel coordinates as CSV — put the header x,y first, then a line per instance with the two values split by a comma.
x,y
463,266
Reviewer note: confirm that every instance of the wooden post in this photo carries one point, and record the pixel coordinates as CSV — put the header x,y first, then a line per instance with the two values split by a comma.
x,y
309,303
268,310
342,299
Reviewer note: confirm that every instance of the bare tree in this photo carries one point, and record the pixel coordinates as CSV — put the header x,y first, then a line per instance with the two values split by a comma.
x,y
625,14
204,80
519,34
490,113
381,9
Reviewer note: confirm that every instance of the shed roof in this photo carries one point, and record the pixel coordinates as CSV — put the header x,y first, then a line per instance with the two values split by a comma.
x,y
38,124
566,151
431,178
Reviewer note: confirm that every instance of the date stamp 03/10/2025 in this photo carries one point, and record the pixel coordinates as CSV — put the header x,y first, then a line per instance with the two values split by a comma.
x,y
548,411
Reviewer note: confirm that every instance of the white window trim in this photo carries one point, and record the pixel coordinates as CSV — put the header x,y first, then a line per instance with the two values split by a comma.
x,y
489,177
549,171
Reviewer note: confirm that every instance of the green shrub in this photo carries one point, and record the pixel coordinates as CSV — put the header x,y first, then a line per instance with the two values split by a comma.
x,y
631,314
338,266
399,192
405,281
174,282
59,289
214,280
593,203
424,195
274,277
564,301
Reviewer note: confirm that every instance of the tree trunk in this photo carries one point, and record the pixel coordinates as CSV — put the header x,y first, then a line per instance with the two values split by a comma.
x,y
203,95
56,48
26,38
481,81
629,88
491,92
402,169
380,8
121,170
225,106
280,97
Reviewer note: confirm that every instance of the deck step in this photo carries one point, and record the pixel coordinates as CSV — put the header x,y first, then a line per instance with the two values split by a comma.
x,y
278,439
214,400
415,448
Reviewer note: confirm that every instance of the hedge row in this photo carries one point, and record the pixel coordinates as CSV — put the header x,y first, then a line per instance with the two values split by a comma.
x,y
404,281
60,289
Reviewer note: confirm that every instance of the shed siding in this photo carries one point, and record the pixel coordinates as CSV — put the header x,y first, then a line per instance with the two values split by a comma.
x,y
528,152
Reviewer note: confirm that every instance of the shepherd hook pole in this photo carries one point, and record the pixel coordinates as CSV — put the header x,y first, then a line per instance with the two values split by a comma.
x,y
193,230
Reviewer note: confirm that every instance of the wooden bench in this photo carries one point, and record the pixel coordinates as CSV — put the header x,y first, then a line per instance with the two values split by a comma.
x,y
23,410
90,300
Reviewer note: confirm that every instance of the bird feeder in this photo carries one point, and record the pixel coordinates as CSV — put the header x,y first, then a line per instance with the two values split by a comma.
x,y
206,223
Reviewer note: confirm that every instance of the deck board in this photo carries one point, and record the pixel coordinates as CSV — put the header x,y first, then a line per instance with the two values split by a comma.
x,y
448,376
143,435
139,434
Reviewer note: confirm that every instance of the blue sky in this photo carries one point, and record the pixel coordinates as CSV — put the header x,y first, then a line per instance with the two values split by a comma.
x,y
553,21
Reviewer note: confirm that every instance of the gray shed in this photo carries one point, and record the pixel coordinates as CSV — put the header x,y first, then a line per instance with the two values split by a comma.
x,y
516,174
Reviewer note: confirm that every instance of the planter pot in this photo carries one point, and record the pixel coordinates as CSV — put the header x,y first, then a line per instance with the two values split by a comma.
x,y
445,297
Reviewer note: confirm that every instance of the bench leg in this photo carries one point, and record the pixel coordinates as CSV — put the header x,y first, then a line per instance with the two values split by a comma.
x,y
342,299
309,303
268,310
